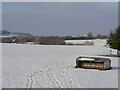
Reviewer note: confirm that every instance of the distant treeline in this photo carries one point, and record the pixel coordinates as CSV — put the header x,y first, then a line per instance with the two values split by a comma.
x,y
77,38
18,37
52,40
43,40
85,38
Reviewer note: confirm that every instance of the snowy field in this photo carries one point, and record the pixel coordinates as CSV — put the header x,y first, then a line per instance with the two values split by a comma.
x,y
40,66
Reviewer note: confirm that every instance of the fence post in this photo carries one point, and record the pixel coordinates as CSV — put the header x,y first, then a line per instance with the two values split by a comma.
x,y
110,52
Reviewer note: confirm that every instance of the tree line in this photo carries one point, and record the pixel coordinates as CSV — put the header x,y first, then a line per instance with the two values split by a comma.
x,y
51,40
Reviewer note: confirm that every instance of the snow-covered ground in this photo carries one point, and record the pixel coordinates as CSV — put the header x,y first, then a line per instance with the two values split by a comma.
x,y
49,66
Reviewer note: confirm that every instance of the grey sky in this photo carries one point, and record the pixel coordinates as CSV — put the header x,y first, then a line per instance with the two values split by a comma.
x,y
60,18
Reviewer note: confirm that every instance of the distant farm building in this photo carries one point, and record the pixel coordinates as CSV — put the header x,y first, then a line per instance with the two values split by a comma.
x,y
85,35
93,63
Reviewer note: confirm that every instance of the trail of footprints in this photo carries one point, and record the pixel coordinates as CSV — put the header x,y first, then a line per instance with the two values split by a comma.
x,y
52,76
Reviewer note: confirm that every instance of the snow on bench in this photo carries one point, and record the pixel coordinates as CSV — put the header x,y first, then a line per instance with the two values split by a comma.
x,y
89,59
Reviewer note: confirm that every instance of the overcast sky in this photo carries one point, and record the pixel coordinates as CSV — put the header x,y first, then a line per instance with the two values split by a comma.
x,y
60,18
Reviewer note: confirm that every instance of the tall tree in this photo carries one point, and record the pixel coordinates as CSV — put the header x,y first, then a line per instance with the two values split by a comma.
x,y
114,40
